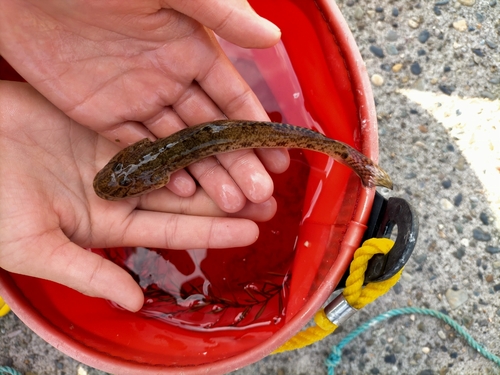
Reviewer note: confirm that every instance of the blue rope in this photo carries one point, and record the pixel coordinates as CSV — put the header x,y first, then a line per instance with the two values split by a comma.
x,y
5,370
336,356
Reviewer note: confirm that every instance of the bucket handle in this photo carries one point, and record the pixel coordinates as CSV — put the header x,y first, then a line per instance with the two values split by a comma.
x,y
384,217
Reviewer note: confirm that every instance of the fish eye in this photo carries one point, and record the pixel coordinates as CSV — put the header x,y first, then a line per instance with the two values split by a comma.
x,y
117,167
125,182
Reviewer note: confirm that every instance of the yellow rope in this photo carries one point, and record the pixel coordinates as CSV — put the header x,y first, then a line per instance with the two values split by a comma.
x,y
322,329
4,308
355,294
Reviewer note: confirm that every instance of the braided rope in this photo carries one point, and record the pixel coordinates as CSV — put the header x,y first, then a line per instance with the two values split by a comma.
x,y
336,354
355,294
5,370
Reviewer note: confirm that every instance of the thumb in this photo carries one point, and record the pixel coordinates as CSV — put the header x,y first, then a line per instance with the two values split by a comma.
x,y
234,21
63,262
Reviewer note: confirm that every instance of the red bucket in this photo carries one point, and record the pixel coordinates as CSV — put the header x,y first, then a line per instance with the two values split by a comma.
x,y
270,290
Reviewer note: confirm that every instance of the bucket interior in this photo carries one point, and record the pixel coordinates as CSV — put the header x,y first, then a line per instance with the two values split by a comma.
x,y
256,290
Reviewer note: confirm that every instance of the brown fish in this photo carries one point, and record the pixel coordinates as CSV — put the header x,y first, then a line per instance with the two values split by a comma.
x,y
146,165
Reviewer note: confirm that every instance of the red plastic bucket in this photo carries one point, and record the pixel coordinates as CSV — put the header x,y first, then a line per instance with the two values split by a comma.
x,y
315,78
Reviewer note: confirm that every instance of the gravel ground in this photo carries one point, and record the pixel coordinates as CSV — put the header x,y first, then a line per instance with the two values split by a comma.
x,y
435,69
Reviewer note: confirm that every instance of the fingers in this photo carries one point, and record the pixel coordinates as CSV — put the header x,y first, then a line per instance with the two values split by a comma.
x,y
234,21
173,231
276,160
182,184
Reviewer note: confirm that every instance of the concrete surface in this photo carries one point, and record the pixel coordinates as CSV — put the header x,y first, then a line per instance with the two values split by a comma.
x,y
444,151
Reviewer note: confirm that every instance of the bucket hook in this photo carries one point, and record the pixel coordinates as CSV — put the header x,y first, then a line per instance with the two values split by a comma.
x,y
387,215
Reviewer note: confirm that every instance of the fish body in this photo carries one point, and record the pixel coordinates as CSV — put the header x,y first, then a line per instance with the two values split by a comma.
x,y
146,165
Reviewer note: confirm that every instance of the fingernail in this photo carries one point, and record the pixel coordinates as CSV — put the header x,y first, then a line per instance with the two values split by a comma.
x,y
128,308
261,187
231,198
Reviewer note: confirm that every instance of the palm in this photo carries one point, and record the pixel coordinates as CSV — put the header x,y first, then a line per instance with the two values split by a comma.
x,y
142,69
50,212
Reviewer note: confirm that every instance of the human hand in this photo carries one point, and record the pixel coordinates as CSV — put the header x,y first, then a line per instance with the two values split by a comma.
x,y
50,213
148,68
